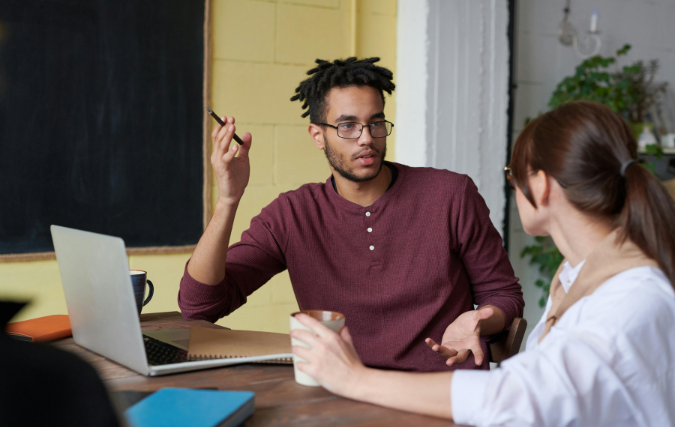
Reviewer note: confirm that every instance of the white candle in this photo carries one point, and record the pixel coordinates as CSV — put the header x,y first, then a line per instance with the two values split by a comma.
x,y
594,21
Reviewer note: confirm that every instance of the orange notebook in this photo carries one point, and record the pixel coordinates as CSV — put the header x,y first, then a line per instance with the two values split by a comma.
x,y
48,328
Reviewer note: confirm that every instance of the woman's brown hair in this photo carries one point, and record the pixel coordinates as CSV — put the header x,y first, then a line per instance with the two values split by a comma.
x,y
584,145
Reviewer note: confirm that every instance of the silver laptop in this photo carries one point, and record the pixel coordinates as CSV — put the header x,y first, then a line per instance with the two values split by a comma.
x,y
102,310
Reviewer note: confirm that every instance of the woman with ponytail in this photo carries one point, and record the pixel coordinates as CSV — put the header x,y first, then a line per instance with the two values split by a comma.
x,y
603,353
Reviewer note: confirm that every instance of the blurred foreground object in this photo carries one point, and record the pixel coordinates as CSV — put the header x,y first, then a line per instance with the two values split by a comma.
x,y
44,386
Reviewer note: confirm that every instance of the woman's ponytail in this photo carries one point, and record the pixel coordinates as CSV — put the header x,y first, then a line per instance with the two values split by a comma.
x,y
648,217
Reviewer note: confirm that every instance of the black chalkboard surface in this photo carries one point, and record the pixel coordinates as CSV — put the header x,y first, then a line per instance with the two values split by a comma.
x,y
101,108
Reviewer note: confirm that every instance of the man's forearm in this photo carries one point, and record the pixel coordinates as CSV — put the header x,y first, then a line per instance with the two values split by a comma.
x,y
207,264
493,325
427,393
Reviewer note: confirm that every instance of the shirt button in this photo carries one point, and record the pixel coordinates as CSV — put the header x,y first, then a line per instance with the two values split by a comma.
x,y
372,248
370,230
367,213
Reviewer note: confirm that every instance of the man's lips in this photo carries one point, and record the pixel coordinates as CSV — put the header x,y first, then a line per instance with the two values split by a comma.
x,y
367,158
367,154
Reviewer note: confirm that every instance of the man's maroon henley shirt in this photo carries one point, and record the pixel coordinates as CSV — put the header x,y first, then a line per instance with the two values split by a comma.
x,y
400,270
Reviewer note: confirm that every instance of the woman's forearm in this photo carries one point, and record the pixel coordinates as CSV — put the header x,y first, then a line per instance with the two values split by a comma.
x,y
427,394
331,359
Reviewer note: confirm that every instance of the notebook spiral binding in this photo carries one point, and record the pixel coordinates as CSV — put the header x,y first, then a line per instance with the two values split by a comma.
x,y
280,361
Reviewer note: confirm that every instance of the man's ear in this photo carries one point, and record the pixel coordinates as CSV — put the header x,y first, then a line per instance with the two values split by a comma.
x,y
316,133
540,185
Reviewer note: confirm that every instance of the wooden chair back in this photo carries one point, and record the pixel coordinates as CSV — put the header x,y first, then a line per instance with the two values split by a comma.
x,y
507,343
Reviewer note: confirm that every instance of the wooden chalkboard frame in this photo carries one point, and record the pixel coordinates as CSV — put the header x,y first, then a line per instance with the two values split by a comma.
x,y
206,156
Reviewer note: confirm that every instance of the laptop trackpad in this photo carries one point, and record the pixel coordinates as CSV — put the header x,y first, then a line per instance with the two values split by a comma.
x,y
176,337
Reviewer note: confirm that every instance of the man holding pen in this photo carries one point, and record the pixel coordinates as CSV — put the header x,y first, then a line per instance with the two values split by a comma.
x,y
404,253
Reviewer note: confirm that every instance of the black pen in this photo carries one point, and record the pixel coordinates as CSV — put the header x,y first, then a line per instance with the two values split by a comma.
x,y
220,122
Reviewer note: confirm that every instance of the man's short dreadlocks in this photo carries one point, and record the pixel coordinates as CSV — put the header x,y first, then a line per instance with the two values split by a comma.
x,y
340,73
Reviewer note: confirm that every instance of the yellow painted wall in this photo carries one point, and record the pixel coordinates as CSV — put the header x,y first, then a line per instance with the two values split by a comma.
x,y
261,52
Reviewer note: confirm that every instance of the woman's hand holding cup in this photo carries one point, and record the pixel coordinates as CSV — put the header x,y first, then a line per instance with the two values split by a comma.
x,y
329,357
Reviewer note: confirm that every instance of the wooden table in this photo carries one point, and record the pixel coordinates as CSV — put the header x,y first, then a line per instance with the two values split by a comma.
x,y
279,400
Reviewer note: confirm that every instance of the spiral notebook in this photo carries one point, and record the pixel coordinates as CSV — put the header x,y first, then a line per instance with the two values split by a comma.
x,y
206,343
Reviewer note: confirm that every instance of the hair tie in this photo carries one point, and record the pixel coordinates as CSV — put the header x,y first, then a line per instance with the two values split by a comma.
x,y
625,165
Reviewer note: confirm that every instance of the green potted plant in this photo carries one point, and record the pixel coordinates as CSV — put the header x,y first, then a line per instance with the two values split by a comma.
x,y
593,81
630,91
641,91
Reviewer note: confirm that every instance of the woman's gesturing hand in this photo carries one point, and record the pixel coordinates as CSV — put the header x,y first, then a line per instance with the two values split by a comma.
x,y
331,359
232,170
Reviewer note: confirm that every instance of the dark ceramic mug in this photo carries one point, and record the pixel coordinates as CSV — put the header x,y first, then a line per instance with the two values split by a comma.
x,y
138,280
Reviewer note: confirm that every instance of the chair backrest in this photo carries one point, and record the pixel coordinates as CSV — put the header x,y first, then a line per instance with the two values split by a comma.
x,y
507,343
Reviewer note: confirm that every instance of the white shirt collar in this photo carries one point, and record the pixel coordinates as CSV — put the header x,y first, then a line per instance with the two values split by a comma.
x,y
569,274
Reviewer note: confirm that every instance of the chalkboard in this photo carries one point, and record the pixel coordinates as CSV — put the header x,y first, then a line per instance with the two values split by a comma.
x,y
101,120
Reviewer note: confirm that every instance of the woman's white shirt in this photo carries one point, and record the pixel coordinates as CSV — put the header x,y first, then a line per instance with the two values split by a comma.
x,y
609,360
567,276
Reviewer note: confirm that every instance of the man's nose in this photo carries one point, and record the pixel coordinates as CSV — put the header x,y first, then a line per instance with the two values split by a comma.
x,y
365,138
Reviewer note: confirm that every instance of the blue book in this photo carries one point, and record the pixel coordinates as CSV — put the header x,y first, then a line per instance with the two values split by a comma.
x,y
192,408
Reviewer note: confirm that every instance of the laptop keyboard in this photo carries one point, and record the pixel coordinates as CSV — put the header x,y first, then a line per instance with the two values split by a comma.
x,y
161,353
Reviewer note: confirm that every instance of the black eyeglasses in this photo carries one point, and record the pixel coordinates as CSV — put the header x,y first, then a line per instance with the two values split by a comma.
x,y
512,181
353,130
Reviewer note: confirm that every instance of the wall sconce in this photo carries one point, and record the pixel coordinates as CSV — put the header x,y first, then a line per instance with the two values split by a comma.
x,y
585,47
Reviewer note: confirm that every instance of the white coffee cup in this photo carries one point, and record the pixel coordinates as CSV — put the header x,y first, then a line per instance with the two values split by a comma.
x,y
331,319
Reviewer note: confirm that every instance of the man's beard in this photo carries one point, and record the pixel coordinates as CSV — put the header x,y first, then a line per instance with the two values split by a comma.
x,y
338,164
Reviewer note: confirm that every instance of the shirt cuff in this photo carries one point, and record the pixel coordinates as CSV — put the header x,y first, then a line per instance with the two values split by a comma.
x,y
509,312
199,289
467,393
199,301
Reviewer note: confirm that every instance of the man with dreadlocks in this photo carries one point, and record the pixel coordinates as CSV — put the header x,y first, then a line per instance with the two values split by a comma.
x,y
403,252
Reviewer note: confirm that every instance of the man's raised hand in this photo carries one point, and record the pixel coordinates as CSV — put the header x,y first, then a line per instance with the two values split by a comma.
x,y
232,170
